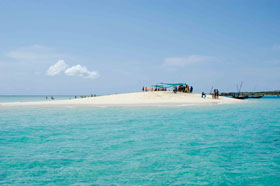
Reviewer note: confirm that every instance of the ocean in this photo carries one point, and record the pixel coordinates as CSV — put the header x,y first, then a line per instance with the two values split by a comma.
x,y
219,145
26,98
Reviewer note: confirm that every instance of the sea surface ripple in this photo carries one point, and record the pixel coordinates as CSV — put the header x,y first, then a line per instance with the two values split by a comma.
x,y
209,145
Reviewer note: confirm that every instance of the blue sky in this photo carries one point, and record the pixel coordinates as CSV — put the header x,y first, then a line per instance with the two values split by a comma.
x,y
103,47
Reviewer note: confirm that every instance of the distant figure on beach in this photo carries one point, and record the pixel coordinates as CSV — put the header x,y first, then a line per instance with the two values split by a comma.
x,y
75,97
191,89
216,94
187,89
175,89
94,95
143,89
180,88
46,97
52,98
203,95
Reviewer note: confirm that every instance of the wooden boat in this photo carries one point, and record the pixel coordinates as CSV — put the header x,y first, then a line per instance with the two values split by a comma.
x,y
240,96
255,96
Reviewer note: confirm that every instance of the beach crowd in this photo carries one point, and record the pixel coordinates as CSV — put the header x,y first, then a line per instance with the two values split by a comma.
x,y
182,88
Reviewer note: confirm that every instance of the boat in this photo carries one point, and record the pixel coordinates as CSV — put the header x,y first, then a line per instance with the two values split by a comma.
x,y
255,96
240,96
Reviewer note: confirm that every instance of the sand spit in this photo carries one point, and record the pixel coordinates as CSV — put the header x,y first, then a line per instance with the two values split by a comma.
x,y
134,99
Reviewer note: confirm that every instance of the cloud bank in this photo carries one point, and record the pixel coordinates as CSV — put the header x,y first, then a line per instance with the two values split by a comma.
x,y
76,70
182,61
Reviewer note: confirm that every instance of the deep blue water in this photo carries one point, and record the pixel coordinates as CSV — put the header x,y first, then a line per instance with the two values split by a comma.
x,y
210,145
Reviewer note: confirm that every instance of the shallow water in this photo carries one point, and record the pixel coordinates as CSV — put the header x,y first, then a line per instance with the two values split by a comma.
x,y
209,145
26,98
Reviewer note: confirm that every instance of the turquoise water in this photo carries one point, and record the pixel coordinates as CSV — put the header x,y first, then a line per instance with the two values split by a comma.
x,y
218,145
24,98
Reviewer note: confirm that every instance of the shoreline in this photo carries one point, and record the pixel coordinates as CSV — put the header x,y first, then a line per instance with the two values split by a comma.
x,y
137,99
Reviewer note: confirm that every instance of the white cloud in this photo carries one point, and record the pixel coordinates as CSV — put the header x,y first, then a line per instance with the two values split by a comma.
x,y
76,70
182,61
55,69
81,71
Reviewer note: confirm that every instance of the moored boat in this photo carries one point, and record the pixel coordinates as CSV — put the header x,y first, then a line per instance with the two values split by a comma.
x,y
240,96
255,96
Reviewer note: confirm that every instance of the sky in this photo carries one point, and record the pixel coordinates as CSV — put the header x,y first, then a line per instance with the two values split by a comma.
x,y
104,47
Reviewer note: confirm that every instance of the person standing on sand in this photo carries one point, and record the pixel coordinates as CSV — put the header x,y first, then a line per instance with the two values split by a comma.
x,y
191,89
187,89
216,94
203,95
143,89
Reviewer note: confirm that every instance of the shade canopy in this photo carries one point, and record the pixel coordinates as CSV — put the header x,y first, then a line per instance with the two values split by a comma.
x,y
161,86
174,84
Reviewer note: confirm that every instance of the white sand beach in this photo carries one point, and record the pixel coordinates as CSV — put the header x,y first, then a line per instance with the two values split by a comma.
x,y
160,98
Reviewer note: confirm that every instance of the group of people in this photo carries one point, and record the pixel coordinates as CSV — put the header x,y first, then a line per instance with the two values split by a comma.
x,y
52,98
182,88
145,89
92,95
215,94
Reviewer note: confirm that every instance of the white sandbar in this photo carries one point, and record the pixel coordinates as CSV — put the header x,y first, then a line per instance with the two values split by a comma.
x,y
134,99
